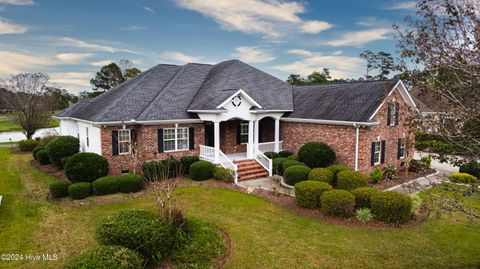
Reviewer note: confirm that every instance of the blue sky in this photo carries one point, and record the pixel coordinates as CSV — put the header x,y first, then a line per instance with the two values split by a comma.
x,y
70,40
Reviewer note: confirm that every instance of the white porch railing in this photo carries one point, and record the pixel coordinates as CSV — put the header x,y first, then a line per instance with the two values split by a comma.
x,y
263,160
269,146
208,153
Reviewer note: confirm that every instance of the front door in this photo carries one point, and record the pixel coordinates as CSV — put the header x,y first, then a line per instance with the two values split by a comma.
x,y
209,135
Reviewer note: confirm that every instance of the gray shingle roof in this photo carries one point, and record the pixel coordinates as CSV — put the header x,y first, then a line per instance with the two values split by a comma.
x,y
345,101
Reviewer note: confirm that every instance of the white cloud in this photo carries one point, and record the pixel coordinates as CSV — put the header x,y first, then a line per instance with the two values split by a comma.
x,y
101,63
149,9
408,5
271,18
180,57
340,66
73,57
71,78
133,28
17,2
13,62
9,27
253,54
359,38
67,41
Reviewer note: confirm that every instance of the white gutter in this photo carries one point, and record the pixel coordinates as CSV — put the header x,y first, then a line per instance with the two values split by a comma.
x,y
153,122
331,122
208,111
357,135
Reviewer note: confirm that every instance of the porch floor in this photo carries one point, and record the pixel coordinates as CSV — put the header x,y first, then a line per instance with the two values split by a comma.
x,y
237,156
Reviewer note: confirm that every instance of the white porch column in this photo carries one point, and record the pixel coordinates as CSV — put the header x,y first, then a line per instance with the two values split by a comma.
x,y
277,135
250,139
256,138
216,131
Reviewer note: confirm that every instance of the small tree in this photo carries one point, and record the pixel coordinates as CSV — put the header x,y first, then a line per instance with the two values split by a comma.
x,y
30,100
113,74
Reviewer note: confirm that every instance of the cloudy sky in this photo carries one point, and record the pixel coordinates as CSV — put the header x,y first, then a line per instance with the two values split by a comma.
x,y
70,40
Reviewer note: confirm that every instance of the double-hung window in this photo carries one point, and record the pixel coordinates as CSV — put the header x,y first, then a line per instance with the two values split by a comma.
x,y
124,141
401,148
391,115
175,139
243,132
377,152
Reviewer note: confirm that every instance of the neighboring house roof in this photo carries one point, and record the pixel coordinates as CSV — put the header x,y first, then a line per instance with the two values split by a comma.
x,y
428,103
343,101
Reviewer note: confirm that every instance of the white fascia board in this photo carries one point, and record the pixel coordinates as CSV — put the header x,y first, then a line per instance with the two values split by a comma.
x,y
207,111
403,92
240,91
269,111
75,119
148,122
330,122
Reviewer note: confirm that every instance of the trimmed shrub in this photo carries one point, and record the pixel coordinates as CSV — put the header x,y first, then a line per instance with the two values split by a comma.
x,y
363,196
308,193
80,190
37,149
471,168
335,168
61,147
201,170
59,188
462,178
416,166
173,166
389,172
321,174
27,145
350,180
316,154
106,257
338,203
86,167
289,163
364,215
427,161
284,153
376,174
278,165
153,171
140,230
130,182
391,207
105,185
42,157
46,139
271,154
295,174
186,161
225,174
293,157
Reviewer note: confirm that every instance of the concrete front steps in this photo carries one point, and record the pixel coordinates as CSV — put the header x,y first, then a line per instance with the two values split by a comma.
x,y
250,169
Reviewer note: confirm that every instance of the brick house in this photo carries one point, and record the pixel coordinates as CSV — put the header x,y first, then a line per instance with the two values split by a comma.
x,y
230,113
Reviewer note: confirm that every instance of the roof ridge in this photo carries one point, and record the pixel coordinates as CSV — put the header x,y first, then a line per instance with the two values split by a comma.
x,y
346,82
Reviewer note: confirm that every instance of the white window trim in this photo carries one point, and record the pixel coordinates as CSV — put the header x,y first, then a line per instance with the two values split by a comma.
x,y
244,123
129,142
379,152
176,139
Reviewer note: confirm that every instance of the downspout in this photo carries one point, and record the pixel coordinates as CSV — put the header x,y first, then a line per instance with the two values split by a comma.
x,y
357,131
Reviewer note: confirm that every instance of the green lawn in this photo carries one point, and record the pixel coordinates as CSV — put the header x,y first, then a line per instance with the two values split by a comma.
x,y
7,125
263,235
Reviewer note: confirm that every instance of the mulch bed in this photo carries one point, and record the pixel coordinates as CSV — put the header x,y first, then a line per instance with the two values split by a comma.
x,y
401,178
50,169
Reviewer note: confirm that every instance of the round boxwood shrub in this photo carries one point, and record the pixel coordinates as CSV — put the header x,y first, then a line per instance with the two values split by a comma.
x,y
59,188
27,145
335,168
284,153
186,161
61,147
271,154
153,171
140,230
85,167
173,166
105,185
277,165
308,193
471,168
293,157
391,207
129,183
350,180
363,196
106,257
295,174
37,149
338,203
321,174
225,174
201,170
42,157
289,163
462,178
80,190
316,154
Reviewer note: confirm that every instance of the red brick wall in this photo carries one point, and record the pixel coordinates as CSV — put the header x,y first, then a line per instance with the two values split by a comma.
x,y
228,137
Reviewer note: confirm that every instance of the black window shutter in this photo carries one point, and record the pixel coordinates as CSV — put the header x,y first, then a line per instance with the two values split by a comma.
x,y
160,140
372,162
388,115
239,140
114,143
397,114
382,159
191,138
133,139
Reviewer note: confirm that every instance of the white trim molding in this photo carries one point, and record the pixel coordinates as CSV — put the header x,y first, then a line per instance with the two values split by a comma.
x,y
240,91
405,95
330,122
